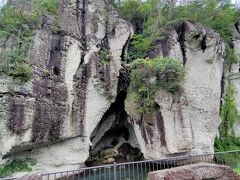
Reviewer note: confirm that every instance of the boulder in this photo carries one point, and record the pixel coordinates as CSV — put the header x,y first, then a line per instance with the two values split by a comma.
x,y
199,171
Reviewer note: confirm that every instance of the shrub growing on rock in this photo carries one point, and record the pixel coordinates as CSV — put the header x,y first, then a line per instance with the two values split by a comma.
x,y
21,72
150,75
48,6
228,112
139,47
16,165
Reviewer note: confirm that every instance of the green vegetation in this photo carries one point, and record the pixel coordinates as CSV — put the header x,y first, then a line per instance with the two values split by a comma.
x,y
47,6
104,57
17,29
229,116
151,17
139,47
237,169
16,165
148,76
228,112
231,57
46,73
21,72
216,14
227,141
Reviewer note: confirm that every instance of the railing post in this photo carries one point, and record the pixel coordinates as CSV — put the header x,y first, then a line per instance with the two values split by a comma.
x,y
190,159
115,170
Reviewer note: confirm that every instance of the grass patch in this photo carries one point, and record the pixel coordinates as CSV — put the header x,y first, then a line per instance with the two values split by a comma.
x,y
237,169
16,165
229,143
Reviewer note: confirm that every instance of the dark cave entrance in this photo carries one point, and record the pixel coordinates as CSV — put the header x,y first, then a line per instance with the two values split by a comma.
x,y
114,139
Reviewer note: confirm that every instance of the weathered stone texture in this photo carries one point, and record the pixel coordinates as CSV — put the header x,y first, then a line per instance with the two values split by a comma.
x,y
199,171
32,176
234,76
58,109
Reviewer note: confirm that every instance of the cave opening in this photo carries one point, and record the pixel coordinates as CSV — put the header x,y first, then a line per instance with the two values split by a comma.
x,y
204,43
56,71
114,139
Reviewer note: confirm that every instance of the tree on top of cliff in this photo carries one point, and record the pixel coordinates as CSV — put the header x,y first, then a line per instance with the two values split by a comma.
x,y
17,27
151,17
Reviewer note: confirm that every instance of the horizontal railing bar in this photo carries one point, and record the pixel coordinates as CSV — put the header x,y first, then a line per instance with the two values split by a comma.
x,y
144,161
151,163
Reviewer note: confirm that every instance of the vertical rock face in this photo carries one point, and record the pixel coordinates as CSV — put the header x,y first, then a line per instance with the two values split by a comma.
x,y
76,75
233,75
186,122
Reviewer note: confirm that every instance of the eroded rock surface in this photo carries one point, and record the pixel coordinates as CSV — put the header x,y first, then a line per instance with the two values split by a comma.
x,y
77,66
32,176
187,121
233,75
69,109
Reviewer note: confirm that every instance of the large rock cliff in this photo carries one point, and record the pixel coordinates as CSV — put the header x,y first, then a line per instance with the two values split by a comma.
x,y
185,122
76,78
73,109
233,75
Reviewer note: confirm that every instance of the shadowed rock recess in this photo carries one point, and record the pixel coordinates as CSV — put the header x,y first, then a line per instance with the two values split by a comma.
x,y
74,108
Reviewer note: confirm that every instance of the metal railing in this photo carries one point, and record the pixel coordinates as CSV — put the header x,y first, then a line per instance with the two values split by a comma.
x,y
139,170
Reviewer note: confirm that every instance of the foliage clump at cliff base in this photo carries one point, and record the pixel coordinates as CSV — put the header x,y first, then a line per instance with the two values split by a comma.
x,y
16,165
229,116
229,113
150,75
227,140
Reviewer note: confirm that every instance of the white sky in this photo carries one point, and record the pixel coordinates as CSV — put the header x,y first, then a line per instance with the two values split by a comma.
x,y
2,2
